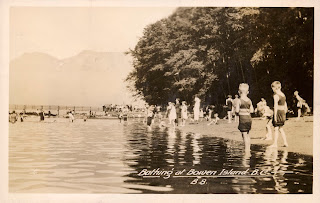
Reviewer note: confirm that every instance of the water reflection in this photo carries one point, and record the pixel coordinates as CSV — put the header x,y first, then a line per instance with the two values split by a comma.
x,y
200,152
105,157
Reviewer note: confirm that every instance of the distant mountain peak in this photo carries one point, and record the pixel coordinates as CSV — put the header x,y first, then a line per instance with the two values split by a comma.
x,y
41,78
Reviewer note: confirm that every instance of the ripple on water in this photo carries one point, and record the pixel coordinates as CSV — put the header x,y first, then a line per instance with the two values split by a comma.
x,y
103,156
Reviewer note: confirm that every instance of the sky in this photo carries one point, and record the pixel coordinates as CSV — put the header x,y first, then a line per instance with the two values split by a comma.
x,y
64,32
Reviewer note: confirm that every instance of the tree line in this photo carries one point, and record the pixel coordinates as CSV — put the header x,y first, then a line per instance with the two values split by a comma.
x,y
207,52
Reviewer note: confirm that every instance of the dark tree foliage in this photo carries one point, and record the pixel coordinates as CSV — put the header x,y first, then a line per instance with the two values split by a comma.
x,y
207,52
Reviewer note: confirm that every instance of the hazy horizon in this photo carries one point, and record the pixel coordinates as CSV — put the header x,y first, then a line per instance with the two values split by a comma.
x,y
82,75
59,38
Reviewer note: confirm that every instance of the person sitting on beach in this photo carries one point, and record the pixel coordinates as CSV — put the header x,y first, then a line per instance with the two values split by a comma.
x,y
215,119
301,105
279,115
229,106
244,109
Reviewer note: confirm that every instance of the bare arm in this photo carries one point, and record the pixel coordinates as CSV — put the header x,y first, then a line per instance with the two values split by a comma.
x,y
251,108
285,107
275,99
238,107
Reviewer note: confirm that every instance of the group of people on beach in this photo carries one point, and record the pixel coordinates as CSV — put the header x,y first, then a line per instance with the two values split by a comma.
x,y
239,109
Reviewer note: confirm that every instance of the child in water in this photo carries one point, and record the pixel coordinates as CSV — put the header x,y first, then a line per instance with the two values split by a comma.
x,y
184,113
234,104
172,113
229,106
244,108
280,110
150,115
268,114
13,117
71,117
120,116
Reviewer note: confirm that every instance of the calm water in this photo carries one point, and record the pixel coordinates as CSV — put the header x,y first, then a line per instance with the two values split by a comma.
x,y
103,156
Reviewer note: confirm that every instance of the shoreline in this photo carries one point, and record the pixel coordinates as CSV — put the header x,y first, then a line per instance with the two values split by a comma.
x,y
299,133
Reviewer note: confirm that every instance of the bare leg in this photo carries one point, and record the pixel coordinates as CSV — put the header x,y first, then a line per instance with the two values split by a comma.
x,y
210,122
246,140
284,137
276,135
229,116
269,132
236,119
299,114
248,144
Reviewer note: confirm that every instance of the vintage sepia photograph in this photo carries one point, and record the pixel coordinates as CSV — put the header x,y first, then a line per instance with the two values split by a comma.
x,y
161,100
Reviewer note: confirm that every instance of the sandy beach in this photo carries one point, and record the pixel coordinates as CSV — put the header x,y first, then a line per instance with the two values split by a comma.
x,y
299,133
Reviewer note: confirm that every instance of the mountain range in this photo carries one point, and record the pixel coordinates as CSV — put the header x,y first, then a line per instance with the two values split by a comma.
x,y
88,78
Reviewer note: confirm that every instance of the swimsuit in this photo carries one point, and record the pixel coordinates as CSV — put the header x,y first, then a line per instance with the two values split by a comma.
x,y
229,104
245,120
281,114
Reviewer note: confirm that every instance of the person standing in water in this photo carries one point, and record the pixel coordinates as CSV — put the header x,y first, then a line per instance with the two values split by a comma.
x,y
120,116
125,113
41,114
13,117
184,113
150,115
244,109
158,113
234,104
85,117
172,114
268,114
196,109
229,107
178,111
280,110
71,117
